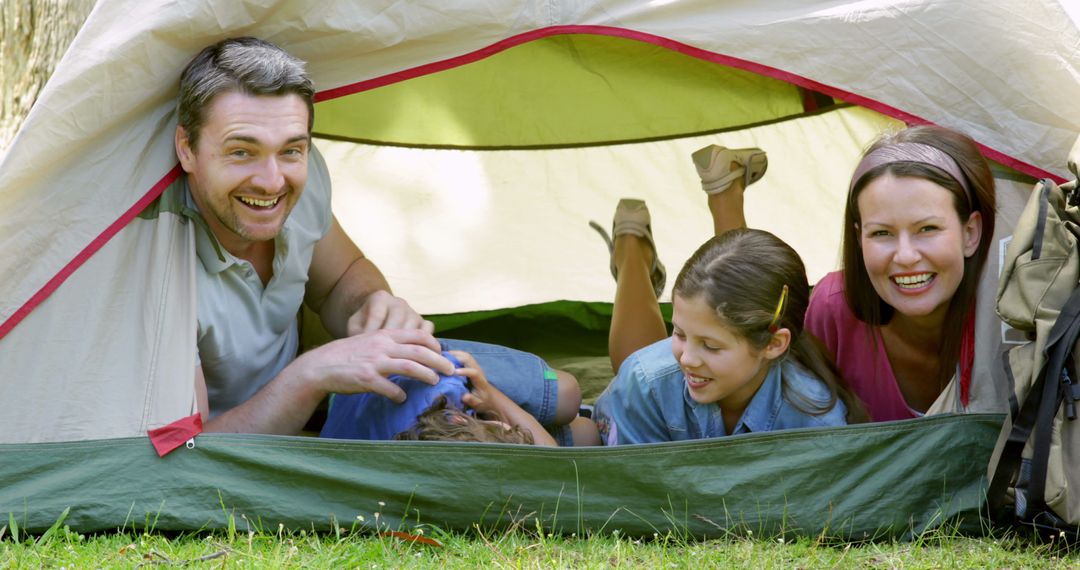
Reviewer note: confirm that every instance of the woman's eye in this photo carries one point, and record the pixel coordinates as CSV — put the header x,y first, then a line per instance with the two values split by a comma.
x,y
928,228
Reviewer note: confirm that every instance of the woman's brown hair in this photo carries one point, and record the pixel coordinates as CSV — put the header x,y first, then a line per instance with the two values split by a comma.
x,y
979,196
742,274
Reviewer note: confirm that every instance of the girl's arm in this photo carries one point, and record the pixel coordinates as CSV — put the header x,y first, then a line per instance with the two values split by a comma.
x,y
486,398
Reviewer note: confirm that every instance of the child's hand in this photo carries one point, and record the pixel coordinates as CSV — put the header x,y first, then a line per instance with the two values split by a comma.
x,y
483,397
487,399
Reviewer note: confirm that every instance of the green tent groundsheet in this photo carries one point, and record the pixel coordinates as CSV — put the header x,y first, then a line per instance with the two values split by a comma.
x,y
872,481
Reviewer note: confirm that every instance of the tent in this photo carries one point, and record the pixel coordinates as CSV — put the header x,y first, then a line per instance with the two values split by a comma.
x,y
475,140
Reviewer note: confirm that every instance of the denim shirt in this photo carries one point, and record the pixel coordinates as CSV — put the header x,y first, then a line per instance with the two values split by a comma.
x,y
648,401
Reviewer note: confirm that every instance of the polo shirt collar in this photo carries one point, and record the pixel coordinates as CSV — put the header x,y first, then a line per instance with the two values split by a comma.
x,y
213,257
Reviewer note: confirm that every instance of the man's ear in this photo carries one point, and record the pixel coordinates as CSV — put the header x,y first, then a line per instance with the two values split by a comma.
x,y
778,344
183,149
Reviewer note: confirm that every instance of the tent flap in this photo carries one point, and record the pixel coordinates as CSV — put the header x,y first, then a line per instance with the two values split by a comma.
x,y
857,482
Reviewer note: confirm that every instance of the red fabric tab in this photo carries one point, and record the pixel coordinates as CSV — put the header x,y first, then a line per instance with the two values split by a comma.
x,y
169,437
967,358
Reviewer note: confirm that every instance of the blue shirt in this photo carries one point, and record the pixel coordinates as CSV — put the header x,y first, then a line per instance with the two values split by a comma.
x,y
372,416
648,401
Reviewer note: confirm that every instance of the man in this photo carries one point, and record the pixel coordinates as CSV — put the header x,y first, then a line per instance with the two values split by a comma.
x,y
267,242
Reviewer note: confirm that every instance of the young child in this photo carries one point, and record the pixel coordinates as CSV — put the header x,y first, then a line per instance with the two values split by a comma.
x,y
530,395
738,360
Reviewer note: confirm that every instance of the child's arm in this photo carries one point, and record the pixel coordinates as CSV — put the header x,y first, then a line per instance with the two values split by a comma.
x,y
487,398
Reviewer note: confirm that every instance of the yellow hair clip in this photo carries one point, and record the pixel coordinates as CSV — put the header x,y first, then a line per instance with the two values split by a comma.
x,y
775,324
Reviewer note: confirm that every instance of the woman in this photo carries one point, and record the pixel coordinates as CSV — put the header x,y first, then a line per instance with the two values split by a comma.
x,y
899,319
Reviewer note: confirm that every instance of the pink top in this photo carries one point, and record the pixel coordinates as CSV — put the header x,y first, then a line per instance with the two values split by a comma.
x,y
862,361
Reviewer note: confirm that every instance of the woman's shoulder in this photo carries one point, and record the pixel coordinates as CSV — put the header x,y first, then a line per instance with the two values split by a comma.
x,y
828,304
830,289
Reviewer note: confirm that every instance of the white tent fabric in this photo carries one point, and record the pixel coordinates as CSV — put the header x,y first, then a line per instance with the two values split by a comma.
x,y
96,319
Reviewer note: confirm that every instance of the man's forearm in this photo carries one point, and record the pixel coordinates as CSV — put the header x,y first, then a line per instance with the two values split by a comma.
x,y
361,279
281,407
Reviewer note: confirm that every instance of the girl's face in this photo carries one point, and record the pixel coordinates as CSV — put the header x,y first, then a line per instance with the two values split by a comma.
x,y
719,365
914,244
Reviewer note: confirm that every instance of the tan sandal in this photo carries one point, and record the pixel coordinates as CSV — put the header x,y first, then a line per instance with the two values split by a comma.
x,y
632,217
714,166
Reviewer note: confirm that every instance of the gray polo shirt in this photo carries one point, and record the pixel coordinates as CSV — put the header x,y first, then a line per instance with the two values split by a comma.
x,y
248,333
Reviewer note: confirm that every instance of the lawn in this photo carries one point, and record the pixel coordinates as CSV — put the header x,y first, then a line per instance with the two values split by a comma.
x,y
518,547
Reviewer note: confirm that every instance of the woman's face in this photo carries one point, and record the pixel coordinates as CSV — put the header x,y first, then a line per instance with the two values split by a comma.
x,y
914,244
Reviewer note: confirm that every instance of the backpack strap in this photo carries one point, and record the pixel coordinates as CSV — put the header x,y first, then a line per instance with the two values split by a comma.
x,y
1057,388
1037,412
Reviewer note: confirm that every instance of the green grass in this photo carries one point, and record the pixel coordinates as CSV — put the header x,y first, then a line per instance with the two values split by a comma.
x,y
516,548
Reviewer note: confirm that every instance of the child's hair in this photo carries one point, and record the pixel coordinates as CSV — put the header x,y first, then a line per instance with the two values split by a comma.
x,y
979,197
741,274
443,422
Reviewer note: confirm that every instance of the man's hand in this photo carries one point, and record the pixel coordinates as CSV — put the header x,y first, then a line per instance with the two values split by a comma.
x,y
382,310
350,365
363,362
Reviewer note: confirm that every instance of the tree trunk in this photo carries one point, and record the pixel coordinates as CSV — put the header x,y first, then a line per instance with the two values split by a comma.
x,y
34,34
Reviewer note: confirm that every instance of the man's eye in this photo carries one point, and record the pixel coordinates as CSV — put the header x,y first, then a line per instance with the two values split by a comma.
x,y
240,153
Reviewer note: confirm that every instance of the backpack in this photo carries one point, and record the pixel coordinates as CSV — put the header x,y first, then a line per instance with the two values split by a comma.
x,y
1036,478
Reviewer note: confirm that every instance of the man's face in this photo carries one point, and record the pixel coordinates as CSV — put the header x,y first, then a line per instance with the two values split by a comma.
x,y
250,166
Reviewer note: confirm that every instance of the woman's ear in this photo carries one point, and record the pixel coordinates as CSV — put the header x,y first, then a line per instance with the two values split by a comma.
x,y
972,234
778,344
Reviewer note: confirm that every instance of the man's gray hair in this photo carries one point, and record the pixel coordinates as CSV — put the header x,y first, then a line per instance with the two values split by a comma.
x,y
246,65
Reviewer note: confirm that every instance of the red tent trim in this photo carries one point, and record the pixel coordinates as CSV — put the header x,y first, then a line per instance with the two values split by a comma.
x,y
478,55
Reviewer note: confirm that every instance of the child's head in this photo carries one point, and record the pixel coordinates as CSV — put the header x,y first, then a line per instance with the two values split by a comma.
x,y
732,317
443,422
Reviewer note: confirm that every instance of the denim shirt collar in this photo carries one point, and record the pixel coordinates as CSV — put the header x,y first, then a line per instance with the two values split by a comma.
x,y
760,414
764,407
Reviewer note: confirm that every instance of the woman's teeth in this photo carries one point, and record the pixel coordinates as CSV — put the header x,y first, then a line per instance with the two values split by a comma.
x,y
913,281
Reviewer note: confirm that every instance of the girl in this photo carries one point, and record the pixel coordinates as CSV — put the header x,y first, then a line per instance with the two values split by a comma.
x,y
737,360
899,318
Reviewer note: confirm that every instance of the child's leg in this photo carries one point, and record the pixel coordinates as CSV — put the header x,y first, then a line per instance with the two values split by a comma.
x,y
724,174
636,321
727,207
569,398
584,432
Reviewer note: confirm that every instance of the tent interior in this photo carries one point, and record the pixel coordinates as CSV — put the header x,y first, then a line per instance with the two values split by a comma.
x,y
468,172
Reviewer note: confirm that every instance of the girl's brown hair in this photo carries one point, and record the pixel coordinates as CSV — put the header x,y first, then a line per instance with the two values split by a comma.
x,y
742,274
859,292
443,422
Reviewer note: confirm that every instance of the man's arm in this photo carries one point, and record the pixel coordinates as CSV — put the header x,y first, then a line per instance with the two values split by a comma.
x,y
359,363
349,292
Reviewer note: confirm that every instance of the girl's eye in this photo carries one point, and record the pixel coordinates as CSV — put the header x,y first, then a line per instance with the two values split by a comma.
x,y
879,233
710,348
928,228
